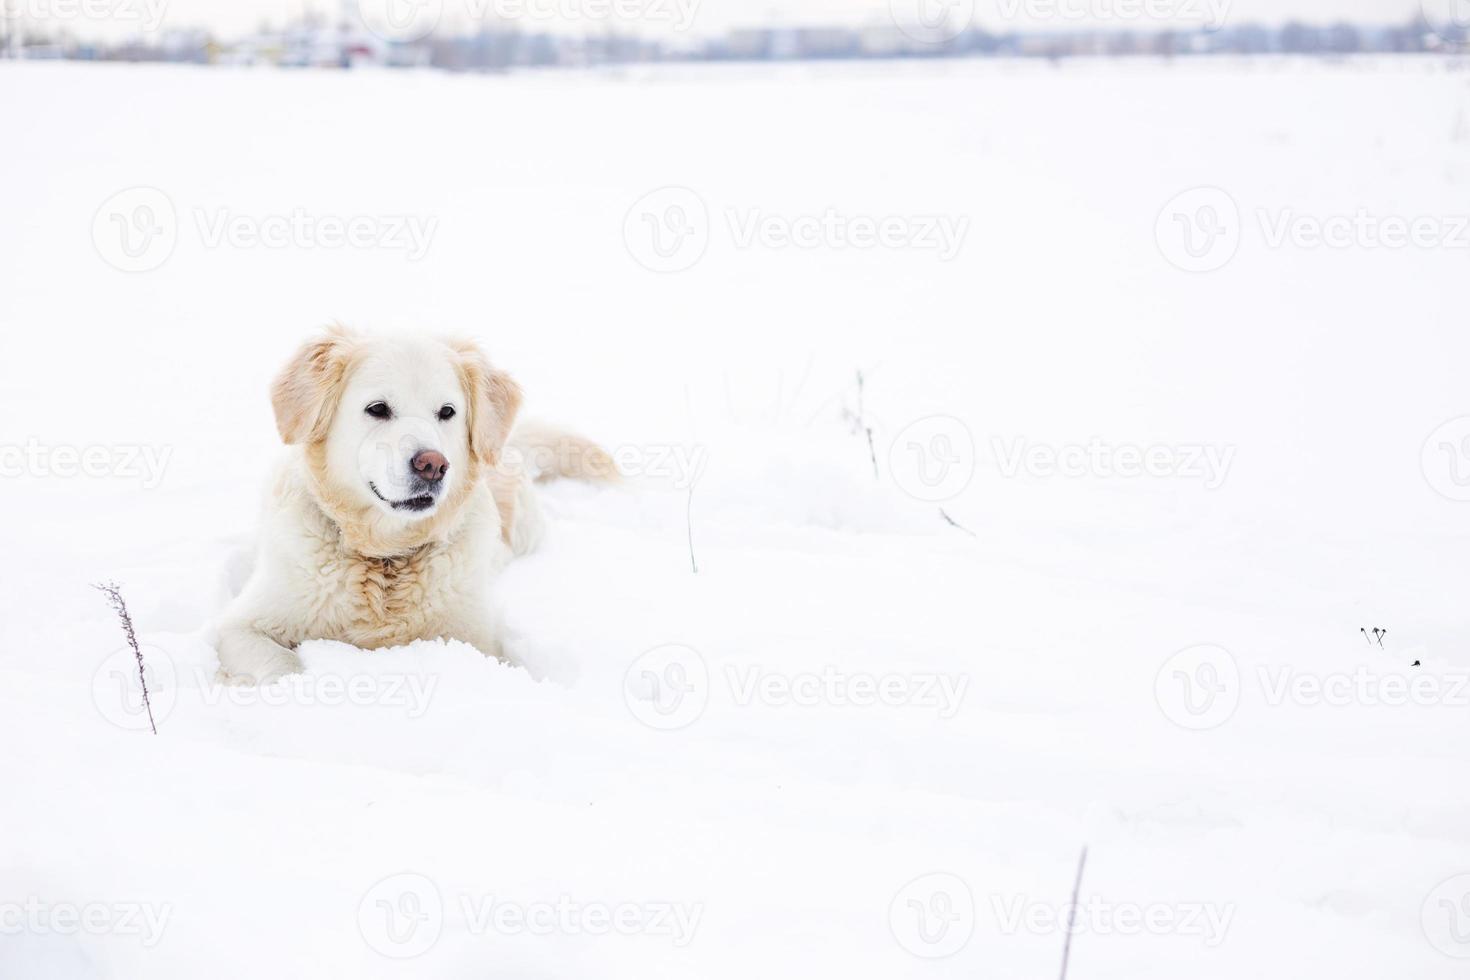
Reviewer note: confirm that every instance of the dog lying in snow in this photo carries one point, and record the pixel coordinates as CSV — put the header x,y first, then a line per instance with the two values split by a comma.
x,y
404,491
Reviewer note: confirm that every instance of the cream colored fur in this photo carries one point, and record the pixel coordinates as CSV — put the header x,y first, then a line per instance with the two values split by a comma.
x,y
338,558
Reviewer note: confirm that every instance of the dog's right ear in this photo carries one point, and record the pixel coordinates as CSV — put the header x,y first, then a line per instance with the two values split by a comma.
x,y
305,393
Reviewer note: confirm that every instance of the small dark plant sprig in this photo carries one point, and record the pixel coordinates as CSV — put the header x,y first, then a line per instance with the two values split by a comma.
x,y
862,422
955,524
689,528
120,606
1072,918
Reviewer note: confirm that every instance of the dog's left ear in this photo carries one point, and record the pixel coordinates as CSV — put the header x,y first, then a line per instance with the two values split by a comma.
x,y
493,398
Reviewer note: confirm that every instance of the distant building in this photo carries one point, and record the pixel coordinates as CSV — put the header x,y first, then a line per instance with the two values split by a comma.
x,y
313,43
826,42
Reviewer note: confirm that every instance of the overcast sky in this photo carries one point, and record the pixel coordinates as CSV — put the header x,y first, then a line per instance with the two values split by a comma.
x,y
229,18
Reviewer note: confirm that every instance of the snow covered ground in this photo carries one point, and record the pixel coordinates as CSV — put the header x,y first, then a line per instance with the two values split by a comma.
x,y
1196,456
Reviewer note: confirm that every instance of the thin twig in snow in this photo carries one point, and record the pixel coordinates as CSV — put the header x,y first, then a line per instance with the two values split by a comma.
x,y
120,606
689,500
839,395
955,524
800,386
860,424
729,400
1072,916
689,527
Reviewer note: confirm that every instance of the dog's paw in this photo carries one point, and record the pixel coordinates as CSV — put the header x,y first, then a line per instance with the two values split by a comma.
x,y
273,670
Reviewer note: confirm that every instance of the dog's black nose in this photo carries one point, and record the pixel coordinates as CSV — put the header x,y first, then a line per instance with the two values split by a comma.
x,y
429,466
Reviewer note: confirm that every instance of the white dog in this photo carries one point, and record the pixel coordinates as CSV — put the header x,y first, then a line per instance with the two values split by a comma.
x,y
402,494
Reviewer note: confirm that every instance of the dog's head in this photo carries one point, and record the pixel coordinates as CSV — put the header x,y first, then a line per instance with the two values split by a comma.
x,y
397,425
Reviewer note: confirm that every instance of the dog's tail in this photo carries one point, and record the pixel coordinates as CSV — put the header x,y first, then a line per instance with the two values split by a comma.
x,y
538,452
547,453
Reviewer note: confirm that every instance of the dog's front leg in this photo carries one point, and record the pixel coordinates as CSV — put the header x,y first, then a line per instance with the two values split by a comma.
x,y
248,656
480,631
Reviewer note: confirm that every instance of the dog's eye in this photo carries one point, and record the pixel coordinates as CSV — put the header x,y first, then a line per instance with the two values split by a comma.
x,y
446,413
379,410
